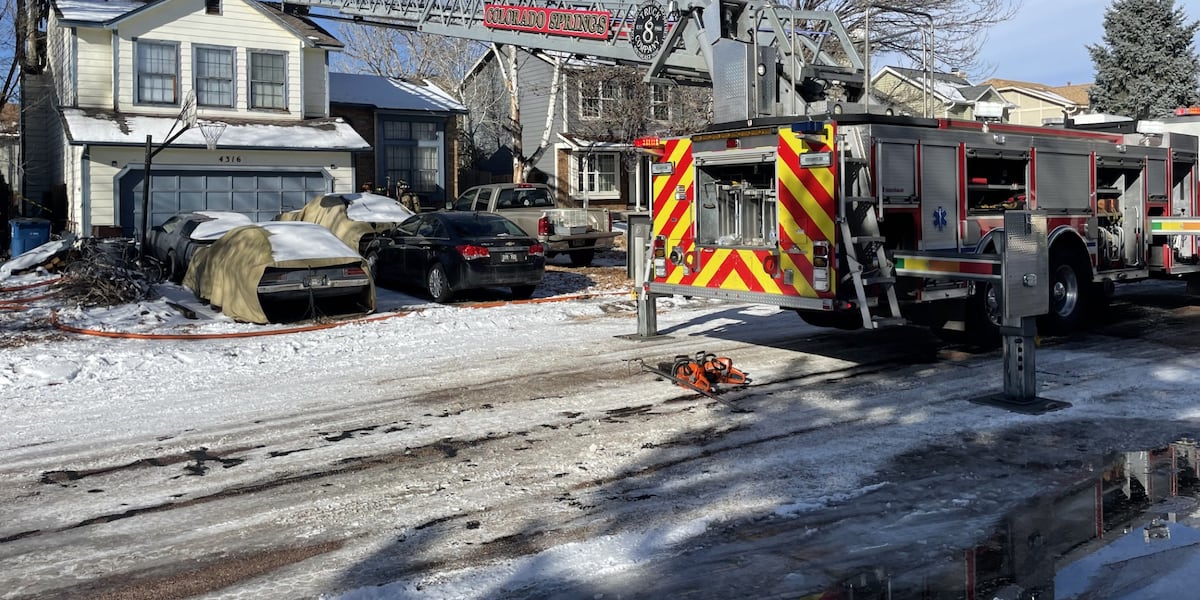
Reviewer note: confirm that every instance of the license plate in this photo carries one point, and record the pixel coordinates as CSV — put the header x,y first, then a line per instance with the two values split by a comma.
x,y
315,281
509,257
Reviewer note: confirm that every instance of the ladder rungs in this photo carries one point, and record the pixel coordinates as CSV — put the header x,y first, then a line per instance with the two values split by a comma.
x,y
860,199
889,321
878,279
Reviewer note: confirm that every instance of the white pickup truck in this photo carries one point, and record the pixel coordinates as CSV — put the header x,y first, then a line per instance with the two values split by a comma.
x,y
577,232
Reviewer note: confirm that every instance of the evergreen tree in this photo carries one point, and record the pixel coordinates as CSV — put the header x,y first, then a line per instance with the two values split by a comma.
x,y
1147,65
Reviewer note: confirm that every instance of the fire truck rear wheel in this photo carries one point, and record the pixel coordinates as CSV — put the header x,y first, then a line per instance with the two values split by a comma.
x,y
1070,291
836,320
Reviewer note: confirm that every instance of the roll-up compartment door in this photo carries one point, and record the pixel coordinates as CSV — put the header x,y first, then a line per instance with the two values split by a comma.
x,y
1063,181
939,197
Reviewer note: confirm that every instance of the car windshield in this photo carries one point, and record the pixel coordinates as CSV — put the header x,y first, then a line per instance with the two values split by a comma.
x,y
481,226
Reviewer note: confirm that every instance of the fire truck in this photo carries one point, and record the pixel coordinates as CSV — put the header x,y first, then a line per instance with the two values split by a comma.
x,y
858,220
809,196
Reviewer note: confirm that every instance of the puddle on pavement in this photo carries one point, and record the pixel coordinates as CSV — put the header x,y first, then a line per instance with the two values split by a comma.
x,y
1127,529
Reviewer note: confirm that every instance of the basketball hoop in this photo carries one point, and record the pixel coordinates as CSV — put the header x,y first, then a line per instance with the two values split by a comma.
x,y
212,130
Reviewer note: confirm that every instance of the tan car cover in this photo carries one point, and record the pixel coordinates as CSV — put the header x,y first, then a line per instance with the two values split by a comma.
x,y
330,211
226,274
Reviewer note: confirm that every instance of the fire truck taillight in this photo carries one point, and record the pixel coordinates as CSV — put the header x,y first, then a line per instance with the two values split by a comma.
x,y
659,252
820,263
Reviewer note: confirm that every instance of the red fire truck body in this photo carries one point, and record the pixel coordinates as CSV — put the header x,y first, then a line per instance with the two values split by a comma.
x,y
856,220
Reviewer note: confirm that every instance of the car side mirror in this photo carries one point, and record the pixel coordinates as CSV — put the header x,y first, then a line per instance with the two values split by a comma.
x,y
449,205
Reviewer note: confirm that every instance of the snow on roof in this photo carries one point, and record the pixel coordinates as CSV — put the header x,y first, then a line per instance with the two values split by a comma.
x,y
99,12
388,93
221,222
96,11
103,127
301,240
374,208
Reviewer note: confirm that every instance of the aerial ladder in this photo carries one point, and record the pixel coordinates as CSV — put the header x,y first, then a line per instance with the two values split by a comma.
x,y
762,59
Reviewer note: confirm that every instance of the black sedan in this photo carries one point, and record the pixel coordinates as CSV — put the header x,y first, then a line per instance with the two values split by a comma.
x,y
447,252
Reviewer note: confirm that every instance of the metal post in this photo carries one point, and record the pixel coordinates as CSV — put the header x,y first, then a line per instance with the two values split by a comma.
x,y
1020,359
647,313
146,198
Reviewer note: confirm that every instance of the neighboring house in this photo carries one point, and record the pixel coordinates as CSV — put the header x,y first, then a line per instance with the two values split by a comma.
x,y
937,95
572,122
412,128
119,70
1038,104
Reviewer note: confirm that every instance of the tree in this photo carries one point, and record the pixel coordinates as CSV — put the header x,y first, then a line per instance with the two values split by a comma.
x,y
1147,65
899,27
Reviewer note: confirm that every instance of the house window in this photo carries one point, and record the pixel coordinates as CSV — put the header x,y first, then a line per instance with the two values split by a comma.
x,y
157,73
212,7
214,76
411,152
660,110
597,173
268,80
595,98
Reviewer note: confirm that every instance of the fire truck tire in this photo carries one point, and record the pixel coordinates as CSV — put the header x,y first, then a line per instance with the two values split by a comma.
x,y
835,320
982,316
1070,291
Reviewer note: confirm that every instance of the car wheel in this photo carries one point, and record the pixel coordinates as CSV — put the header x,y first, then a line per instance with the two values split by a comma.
x,y
582,258
522,292
437,284
174,273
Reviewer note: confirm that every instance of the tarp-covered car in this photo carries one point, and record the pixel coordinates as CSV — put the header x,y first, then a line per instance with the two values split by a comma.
x,y
353,218
278,261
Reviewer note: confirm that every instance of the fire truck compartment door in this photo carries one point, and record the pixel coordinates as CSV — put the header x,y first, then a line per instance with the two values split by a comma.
x,y
897,171
1156,178
1063,181
939,198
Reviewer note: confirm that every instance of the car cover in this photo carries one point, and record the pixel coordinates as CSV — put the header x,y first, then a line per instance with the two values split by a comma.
x,y
351,216
227,273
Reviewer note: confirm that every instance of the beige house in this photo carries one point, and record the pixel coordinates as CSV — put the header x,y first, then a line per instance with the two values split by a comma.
x,y
1038,104
936,95
117,71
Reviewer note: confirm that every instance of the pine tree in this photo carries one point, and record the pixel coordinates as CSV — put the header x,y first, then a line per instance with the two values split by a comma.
x,y
1147,65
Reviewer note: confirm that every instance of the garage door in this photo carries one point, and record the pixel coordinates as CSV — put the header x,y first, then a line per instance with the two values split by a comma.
x,y
259,194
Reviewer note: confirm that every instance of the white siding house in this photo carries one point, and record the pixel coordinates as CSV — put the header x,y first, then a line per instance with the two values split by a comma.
x,y
121,70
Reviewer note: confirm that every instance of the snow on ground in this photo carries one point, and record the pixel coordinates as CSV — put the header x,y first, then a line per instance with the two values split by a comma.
x,y
70,394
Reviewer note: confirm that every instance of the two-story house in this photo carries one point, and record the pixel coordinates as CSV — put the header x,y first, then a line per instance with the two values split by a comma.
x,y
937,95
1040,104
576,124
117,71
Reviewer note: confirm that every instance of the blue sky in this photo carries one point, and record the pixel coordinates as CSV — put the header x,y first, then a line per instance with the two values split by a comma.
x,y
1046,42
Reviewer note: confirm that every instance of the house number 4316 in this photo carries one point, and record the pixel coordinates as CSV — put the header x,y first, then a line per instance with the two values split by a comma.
x,y
229,158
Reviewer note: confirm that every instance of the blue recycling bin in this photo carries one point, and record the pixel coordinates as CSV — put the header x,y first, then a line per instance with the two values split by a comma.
x,y
27,234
